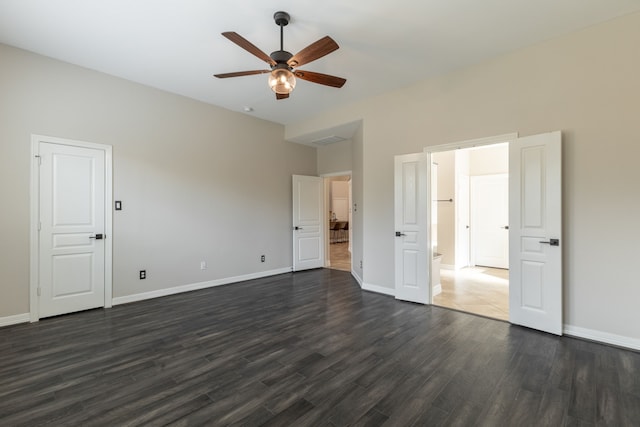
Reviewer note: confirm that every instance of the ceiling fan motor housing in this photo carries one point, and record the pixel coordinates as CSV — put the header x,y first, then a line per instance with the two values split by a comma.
x,y
281,56
281,18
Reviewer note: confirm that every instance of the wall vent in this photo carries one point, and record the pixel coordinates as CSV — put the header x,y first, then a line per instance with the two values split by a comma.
x,y
328,140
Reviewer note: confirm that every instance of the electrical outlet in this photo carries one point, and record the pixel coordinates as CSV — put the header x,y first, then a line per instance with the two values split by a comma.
x,y
203,265
262,258
143,274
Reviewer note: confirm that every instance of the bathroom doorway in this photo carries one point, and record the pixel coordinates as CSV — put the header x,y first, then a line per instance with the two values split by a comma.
x,y
469,230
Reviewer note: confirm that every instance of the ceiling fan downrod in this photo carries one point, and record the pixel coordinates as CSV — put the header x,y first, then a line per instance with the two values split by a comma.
x,y
282,19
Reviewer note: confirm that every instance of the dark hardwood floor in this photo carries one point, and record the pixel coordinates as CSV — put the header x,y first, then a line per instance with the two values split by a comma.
x,y
302,349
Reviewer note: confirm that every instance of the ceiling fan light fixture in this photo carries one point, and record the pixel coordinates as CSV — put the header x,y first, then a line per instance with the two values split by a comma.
x,y
282,81
283,65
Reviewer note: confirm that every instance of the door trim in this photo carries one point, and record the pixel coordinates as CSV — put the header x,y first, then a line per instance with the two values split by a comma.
x,y
34,258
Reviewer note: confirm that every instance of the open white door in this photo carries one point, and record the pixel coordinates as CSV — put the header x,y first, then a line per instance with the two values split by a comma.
x,y
308,225
411,220
535,220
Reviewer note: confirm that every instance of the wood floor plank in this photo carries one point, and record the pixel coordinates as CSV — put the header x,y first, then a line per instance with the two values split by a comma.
x,y
308,348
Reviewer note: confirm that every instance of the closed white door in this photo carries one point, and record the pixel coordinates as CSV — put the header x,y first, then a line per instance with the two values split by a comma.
x,y
490,220
308,230
72,229
411,220
535,219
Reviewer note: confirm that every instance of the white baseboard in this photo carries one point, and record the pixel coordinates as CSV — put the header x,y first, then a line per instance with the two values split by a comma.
x,y
437,289
15,319
358,278
379,289
197,286
603,337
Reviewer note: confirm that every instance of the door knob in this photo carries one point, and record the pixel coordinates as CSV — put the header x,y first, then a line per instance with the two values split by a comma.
x,y
552,242
398,234
506,227
98,236
297,228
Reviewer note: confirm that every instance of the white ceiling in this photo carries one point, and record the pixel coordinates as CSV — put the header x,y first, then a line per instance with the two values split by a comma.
x,y
175,45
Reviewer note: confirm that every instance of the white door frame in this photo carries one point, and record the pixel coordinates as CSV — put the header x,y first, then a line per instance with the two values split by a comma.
x,y
491,140
34,258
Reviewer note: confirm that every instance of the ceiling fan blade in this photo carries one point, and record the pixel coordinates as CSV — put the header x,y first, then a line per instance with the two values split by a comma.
x,y
323,79
248,46
316,50
241,73
282,95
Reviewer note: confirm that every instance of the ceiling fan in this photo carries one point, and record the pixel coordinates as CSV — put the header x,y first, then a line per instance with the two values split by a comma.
x,y
283,65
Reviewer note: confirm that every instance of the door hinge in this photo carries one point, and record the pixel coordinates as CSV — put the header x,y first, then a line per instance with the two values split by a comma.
x,y
39,291
39,157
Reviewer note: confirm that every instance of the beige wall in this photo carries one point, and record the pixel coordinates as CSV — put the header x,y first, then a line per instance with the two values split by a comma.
x,y
335,158
197,182
584,84
339,193
489,160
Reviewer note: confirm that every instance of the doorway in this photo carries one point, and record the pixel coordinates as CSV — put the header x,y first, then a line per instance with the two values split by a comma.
x,y
339,221
470,239
535,227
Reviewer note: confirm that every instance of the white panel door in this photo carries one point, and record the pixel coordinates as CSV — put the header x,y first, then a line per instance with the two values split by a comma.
x,y
490,220
308,230
411,220
72,220
535,219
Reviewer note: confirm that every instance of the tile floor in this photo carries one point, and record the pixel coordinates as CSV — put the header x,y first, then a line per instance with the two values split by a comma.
x,y
478,290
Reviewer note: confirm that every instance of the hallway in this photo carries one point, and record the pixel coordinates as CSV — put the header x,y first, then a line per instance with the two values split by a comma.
x,y
339,256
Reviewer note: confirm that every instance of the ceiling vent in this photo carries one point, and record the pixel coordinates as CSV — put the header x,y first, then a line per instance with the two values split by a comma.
x,y
328,140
